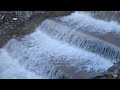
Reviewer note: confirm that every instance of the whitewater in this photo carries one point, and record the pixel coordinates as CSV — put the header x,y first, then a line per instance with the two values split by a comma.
x,y
57,48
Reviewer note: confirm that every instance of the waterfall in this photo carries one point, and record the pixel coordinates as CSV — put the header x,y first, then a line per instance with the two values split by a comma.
x,y
11,69
75,37
50,58
61,47
84,22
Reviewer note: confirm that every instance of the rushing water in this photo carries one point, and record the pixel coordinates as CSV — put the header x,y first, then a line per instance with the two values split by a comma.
x,y
45,56
84,22
11,69
75,37
59,48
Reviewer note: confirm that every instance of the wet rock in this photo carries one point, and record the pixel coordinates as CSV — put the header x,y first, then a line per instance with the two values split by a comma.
x,y
23,22
106,15
15,19
111,73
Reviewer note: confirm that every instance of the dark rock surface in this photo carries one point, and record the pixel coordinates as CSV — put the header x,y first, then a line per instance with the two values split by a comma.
x,y
19,23
111,73
106,15
114,71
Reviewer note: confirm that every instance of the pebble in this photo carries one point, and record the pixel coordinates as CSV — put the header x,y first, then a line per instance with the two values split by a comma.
x,y
115,75
15,19
2,17
14,36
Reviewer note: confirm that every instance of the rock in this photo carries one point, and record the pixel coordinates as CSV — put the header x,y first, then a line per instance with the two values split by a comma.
x,y
15,19
106,15
23,22
112,73
14,36
2,17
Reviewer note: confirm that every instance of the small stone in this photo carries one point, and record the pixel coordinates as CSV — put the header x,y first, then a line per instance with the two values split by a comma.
x,y
15,19
11,27
6,23
3,17
14,36
115,75
115,71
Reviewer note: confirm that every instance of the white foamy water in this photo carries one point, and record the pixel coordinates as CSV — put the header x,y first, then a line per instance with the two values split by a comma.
x,y
83,21
45,56
11,69
66,33
58,48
